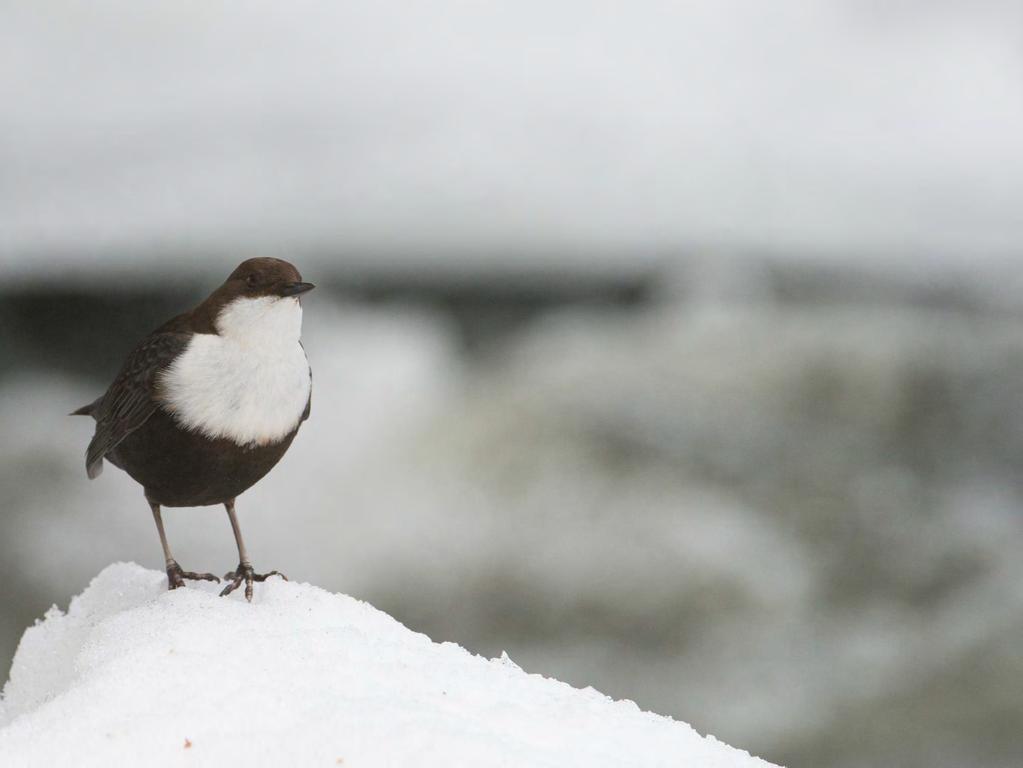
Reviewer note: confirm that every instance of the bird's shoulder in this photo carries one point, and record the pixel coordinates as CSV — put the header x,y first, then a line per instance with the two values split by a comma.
x,y
152,354
138,378
192,322
132,397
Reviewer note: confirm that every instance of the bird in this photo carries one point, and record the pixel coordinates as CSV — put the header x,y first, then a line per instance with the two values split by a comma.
x,y
208,403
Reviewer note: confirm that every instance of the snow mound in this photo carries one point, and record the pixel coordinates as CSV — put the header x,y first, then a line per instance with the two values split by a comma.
x,y
134,674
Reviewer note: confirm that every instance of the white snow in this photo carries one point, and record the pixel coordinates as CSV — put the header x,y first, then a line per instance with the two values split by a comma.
x,y
133,674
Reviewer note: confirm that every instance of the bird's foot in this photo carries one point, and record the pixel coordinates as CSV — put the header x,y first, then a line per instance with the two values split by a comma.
x,y
176,577
245,573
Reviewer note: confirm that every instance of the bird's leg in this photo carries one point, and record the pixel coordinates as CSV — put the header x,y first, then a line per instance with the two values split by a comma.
x,y
244,571
175,576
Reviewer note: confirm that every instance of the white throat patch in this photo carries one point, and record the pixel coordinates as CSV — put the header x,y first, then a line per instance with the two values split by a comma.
x,y
251,382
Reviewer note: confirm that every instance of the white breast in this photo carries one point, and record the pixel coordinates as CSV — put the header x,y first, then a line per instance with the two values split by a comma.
x,y
249,383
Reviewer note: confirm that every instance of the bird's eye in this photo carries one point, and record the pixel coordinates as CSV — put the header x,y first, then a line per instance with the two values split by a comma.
x,y
251,280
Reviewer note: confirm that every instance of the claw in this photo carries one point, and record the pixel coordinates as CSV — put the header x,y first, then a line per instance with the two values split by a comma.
x,y
245,573
176,577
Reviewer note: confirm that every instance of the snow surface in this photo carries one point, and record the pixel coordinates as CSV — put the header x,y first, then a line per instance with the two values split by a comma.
x,y
299,677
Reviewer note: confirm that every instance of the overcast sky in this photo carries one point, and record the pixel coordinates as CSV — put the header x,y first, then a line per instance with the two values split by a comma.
x,y
474,128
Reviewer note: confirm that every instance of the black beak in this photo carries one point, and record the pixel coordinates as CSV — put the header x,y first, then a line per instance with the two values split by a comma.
x,y
295,289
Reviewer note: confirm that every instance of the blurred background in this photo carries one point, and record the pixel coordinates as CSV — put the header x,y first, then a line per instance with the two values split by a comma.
x,y
674,348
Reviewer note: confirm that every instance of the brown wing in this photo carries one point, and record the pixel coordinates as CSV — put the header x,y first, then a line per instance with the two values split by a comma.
x,y
309,402
130,399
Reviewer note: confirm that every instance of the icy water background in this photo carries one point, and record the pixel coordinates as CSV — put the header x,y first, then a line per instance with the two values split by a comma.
x,y
789,518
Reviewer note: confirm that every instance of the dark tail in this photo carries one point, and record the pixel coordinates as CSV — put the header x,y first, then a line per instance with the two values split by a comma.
x,y
88,410
94,468
93,457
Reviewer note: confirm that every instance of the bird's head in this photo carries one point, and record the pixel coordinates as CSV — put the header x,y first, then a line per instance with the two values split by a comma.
x,y
259,301
266,277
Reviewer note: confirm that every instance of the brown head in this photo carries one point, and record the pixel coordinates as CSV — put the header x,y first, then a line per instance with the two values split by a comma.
x,y
265,277
265,280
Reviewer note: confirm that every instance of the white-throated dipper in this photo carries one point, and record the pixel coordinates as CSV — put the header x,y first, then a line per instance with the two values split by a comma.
x,y
209,402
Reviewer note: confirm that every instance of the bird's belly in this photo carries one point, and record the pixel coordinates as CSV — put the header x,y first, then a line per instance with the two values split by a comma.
x,y
181,468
